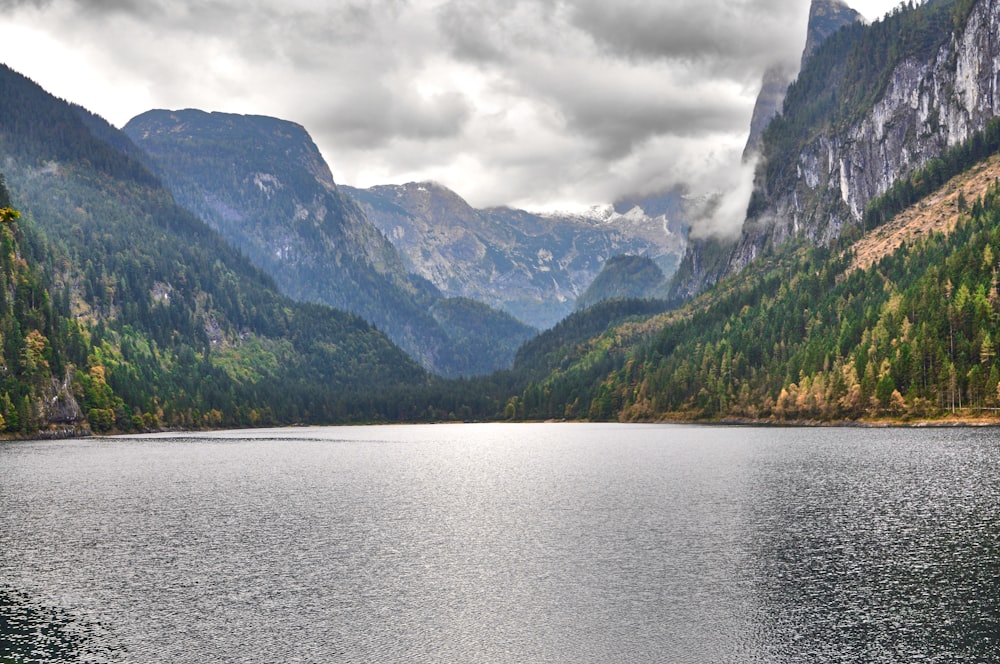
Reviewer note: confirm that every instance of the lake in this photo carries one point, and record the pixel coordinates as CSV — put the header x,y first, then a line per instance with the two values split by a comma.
x,y
504,543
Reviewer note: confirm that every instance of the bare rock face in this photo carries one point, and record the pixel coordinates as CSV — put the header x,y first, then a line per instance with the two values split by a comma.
x,y
927,107
825,18
60,408
64,409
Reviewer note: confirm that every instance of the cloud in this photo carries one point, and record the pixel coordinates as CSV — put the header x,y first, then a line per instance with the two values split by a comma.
x,y
527,102
721,210
738,38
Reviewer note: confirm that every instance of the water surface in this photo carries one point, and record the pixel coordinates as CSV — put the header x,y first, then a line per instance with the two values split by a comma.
x,y
504,543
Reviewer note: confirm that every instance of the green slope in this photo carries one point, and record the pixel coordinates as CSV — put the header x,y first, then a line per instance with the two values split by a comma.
x,y
185,329
805,336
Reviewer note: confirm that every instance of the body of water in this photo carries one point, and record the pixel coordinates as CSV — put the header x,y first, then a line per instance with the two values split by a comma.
x,y
503,543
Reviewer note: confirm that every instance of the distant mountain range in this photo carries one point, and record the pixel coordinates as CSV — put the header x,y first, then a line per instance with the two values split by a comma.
x,y
447,282
533,266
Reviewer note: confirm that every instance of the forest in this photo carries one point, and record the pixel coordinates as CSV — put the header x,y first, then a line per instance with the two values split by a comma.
x,y
805,338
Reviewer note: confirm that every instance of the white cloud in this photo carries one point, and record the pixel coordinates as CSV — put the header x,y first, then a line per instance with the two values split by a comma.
x,y
530,102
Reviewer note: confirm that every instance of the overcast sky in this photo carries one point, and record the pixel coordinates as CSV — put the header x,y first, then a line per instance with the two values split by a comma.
x,y
534,103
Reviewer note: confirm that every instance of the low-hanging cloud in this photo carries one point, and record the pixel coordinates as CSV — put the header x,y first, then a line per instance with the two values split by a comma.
x,y
536,103
719,211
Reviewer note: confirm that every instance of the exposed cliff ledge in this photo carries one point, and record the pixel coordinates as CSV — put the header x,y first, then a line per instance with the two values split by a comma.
x,y
928,105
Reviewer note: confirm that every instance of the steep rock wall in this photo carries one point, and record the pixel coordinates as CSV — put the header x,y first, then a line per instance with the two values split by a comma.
x,y
927,107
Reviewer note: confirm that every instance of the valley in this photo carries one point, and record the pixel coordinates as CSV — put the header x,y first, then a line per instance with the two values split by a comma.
x,y
202,269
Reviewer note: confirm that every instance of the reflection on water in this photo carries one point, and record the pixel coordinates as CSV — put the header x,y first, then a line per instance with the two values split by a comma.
x,y
514,543
889,553
36,634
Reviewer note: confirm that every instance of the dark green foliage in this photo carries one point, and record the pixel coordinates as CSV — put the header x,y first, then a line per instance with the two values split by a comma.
x,y
625,277
170,326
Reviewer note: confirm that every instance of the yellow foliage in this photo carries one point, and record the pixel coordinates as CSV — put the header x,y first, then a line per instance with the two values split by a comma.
x,y
97,373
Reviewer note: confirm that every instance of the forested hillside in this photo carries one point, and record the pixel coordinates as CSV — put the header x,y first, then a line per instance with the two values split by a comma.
x,y
41,344
806,336
182,329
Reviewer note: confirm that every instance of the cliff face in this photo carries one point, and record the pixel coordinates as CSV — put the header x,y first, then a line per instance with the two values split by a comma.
x,y
707,259
825,18
928,105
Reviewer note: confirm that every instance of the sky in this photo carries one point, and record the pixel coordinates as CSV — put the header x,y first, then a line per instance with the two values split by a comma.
x,y
539,104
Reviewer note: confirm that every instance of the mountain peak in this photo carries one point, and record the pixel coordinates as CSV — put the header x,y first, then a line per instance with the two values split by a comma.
x,y
270,135
825,18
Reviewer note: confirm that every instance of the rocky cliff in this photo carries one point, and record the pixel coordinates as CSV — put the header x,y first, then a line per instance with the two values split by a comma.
x,y
825,18
941,85
707,258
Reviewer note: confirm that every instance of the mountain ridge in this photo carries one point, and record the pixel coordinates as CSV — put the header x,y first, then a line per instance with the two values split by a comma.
x,y
264,185
532,265
177,328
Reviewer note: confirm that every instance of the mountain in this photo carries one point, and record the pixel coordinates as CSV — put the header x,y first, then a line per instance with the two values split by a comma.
x,y
176,327
872,105
262,183
623,277
531,265
825,18
707,258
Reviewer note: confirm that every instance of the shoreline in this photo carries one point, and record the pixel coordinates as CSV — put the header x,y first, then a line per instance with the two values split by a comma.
x,y
949,422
